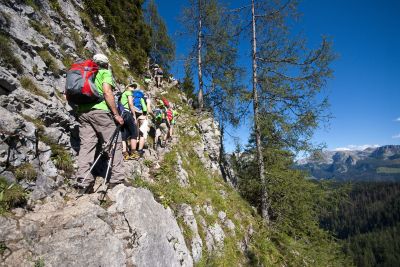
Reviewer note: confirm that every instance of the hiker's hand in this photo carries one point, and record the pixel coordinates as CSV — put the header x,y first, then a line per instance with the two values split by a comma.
x,y
119,119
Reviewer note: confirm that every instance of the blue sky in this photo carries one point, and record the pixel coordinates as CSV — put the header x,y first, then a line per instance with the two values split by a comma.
x,y
365,90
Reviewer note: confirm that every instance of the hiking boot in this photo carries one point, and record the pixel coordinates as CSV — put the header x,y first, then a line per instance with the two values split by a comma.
x,y
84,188
141,153
134,155
125,183
126,156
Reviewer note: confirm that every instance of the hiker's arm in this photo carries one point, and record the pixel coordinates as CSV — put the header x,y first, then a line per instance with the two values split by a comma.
x,y
132,107
109,98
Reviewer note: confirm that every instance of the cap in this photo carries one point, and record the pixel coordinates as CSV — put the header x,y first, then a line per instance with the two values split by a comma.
x,y
132,84
101,59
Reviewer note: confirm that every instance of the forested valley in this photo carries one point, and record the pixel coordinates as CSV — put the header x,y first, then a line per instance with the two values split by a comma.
x,y
365,217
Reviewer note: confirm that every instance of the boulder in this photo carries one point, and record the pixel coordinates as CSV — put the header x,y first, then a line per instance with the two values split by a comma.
x,y
157,238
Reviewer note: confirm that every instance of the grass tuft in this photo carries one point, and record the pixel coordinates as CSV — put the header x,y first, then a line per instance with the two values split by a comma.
x,y
11,196
25,171
30,85
60,156
50,62
7,56
43,29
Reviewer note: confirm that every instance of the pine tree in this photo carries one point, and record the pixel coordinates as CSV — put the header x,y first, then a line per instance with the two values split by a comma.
x,y
188,84
286,82
162,47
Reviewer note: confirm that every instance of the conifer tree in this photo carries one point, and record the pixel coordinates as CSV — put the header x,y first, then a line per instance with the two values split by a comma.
x,y
208,23
286,80
162,47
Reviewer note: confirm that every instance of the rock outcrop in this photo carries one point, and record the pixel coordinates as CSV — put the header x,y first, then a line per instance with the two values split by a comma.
x,y
134,231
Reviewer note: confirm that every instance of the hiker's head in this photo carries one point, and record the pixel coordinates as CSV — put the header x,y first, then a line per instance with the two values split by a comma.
x,y
101,60
132,86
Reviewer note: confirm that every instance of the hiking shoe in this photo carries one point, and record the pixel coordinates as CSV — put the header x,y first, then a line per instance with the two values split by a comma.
x,y
84,188
134,155
125,183
126,155
141,153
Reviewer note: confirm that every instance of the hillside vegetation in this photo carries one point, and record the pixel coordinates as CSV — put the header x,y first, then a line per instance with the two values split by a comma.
x,y
368,223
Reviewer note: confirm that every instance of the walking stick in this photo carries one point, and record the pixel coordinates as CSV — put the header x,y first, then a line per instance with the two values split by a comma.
x,y
111,160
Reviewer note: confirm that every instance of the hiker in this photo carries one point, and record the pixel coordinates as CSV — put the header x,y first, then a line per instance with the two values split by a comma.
x,y
129,130
147,79
161,127
158,74
169,116
140,104
161,122
97,124
175,115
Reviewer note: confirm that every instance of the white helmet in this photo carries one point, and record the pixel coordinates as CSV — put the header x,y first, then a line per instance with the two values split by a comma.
x,y
101,59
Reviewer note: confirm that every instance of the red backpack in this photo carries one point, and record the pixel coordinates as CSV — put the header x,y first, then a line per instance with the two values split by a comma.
x,y
165,101
80,87
170,115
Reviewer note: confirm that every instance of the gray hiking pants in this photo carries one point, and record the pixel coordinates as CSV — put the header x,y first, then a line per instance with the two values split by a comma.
x,y
97,126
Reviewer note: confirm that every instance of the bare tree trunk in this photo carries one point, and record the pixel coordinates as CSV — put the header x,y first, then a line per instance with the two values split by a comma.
x,y
260,159
199,40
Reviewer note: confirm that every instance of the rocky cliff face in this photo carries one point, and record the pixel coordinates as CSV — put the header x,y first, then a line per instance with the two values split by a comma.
x,y
129,226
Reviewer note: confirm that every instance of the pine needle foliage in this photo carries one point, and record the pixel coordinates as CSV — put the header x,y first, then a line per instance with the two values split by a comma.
x,y
124,20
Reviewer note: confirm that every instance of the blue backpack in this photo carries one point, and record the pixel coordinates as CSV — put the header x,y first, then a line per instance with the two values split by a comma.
x,y
137,96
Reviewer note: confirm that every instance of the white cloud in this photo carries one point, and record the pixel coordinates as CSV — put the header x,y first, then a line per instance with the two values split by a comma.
x,y
356,147
398,119
396,136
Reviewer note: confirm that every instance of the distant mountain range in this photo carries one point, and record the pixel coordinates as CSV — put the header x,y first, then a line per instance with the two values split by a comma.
x,y
372,164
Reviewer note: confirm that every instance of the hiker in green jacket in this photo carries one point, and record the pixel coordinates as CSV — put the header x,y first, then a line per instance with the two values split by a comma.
x,y
130,129
97,124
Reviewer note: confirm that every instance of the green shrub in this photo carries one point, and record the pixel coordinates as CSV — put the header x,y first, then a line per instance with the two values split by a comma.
x,y
11,196
25,172
67,61
7,56
50,62
30,85
3,248
39,263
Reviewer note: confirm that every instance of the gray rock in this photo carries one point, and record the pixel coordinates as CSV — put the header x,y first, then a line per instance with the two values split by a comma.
x,y
9,176
157,237
44,186
9,229
215,238
186,212
222,216
7,82
230,225
208,209
181,173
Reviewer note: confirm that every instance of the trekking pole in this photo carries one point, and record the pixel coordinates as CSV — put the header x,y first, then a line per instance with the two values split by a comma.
x,y
110,141
111,160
